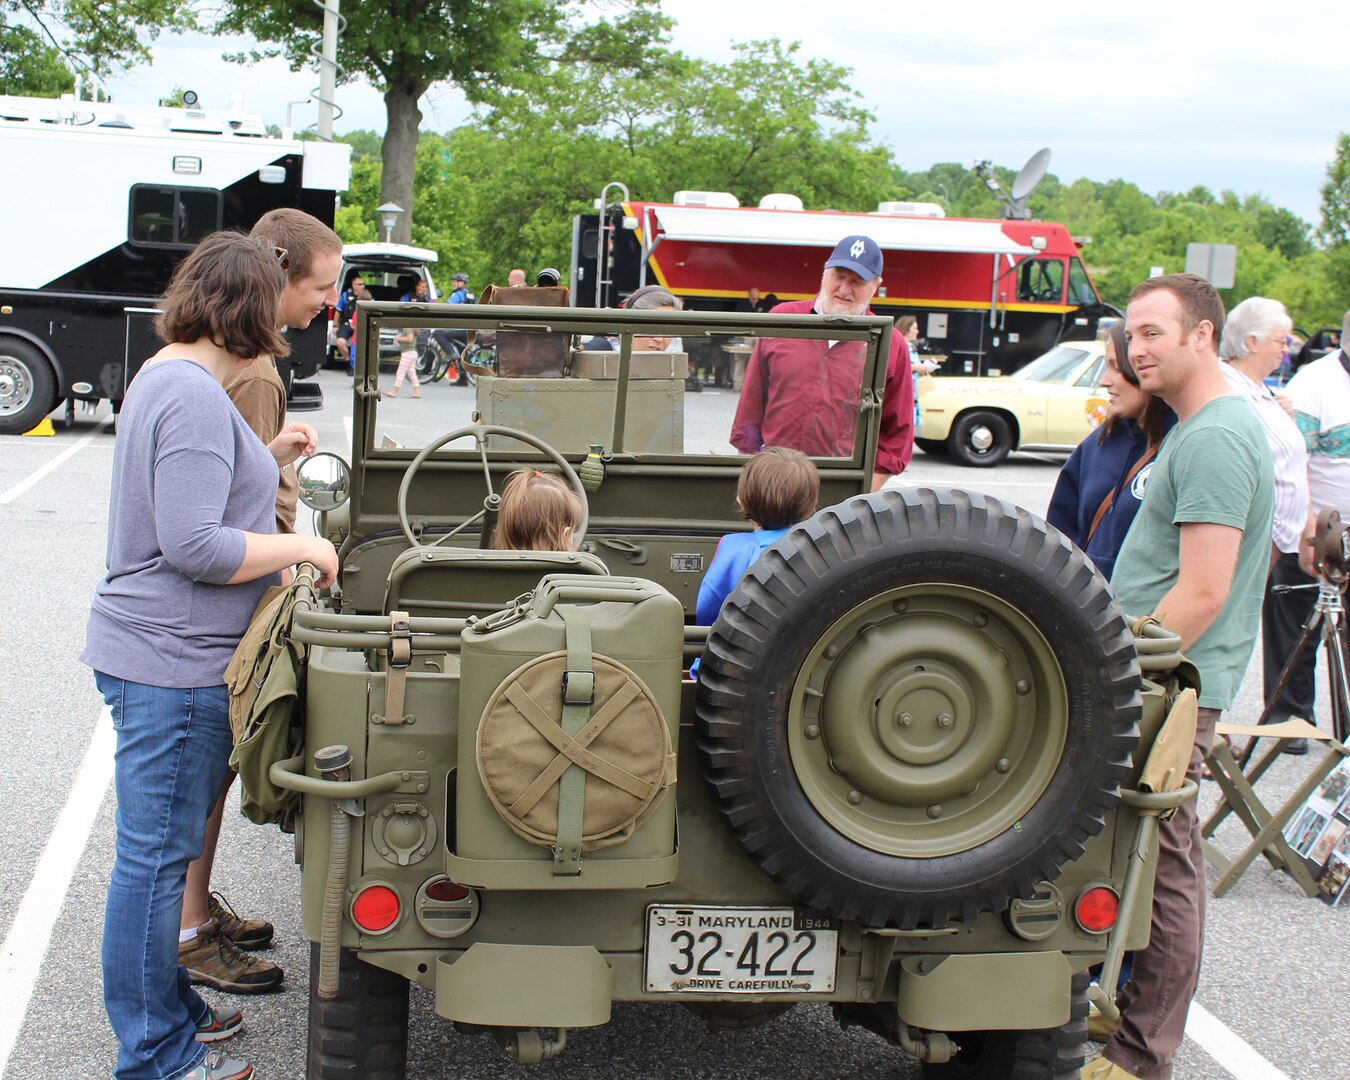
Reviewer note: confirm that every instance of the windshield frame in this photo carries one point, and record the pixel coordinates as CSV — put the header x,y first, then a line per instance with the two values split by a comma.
x,y
376,469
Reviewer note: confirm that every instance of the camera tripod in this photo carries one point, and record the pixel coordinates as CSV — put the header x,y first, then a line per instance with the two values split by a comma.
x,y
1326,620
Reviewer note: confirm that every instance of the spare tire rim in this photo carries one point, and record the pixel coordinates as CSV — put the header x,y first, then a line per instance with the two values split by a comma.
x,y
928,720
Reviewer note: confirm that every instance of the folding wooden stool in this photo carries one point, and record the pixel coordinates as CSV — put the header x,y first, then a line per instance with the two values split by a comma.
x,y
1240,798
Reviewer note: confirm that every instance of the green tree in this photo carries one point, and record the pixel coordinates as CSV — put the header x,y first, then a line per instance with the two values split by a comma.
x,y
38,38
767,121
1335,228
30,66
484,47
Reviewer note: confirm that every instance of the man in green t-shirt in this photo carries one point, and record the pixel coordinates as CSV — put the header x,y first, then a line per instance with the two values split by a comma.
x,y
1195,557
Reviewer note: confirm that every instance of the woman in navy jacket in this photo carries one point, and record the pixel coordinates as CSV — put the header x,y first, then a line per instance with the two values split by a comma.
x,y
1101,485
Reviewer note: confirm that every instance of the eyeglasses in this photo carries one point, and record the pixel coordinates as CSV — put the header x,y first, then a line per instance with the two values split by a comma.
x,y
283,257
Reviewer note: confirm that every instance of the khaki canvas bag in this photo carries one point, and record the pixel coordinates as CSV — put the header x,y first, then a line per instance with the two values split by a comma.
x,y
263,679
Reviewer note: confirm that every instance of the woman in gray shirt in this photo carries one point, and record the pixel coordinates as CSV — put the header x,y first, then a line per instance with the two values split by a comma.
x,y
192,547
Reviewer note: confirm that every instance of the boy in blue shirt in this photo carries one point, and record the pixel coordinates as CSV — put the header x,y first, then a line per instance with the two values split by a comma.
x,y
778,488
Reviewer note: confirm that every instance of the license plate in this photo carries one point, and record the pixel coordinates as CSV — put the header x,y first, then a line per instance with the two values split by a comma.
x,y
720,950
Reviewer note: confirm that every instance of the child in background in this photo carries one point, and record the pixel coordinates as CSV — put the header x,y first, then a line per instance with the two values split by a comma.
x,y
778,488
407,364
539,512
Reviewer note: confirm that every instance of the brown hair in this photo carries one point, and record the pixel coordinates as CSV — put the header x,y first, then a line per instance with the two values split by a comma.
x,y
536,513
1199,302
1155,412
778,487
903,324
301,236
228,291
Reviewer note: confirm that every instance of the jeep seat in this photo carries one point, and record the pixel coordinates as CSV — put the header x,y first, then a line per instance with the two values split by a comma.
x,y
449,583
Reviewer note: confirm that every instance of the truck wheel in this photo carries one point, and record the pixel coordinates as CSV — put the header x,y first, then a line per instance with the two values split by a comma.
x,y
917,705
932,447
1054,1054
27,386
980,438
363,1032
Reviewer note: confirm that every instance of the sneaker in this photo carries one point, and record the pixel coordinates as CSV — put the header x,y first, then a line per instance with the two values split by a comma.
x,y
219,1023
216,961
246,933
216,1066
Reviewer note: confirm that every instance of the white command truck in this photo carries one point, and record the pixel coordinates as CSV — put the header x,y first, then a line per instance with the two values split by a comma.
x,y
100,202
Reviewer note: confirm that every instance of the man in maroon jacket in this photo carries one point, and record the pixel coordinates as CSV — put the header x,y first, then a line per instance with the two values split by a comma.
x,y
805,393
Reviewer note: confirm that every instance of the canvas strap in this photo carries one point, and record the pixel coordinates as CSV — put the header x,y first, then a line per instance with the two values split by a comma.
x,y
1148,456
578,695
396,670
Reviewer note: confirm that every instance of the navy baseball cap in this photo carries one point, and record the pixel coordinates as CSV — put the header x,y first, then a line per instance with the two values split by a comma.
x,y
459,277
859,254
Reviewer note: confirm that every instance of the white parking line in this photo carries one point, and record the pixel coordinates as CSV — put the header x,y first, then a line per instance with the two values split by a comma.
x,y
1228,1048
23,485
25,946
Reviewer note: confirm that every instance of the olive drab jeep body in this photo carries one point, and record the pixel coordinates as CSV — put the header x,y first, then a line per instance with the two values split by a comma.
x,y
914,778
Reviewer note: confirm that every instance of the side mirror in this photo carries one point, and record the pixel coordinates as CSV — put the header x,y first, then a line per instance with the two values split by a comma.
x,y
325,482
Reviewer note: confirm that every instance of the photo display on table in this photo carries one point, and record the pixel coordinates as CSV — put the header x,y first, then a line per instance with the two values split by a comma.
x,y
1320,834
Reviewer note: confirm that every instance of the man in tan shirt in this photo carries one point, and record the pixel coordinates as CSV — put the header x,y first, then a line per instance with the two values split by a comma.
x,y
311,255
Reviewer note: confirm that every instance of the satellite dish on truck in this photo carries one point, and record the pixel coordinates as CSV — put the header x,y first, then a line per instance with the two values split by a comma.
x,y
1015,202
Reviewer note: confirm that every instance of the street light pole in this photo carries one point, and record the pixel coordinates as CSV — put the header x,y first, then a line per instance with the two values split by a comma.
x,y
389,215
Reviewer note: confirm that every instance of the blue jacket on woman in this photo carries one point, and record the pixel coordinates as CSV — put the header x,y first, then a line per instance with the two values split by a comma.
x,y
1093,471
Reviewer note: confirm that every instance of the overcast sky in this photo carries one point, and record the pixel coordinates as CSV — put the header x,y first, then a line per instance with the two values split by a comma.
x,y
1169,95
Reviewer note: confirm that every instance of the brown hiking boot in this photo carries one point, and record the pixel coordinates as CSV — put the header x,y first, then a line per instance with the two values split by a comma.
x,y
1100,1029
216,961
246,933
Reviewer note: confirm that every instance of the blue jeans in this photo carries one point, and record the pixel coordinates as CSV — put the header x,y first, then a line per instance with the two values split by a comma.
x,y
173,749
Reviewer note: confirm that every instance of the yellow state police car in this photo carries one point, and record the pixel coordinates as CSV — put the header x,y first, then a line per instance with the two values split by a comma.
x,y
1050,404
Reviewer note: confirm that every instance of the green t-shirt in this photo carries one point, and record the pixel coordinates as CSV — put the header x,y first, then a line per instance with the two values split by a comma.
x,y
1214,468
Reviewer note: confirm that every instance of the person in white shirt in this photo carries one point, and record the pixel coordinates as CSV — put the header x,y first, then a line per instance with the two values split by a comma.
x,y
1253,345
1320,393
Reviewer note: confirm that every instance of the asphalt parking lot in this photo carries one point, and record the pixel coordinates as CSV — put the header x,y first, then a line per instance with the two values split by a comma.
x,y
1277,966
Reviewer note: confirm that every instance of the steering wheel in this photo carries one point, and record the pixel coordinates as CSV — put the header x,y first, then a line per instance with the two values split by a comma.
x,y
479,433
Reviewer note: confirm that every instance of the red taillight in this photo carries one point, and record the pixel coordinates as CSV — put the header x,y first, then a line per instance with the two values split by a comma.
x,y
446,891
1096,909
375,908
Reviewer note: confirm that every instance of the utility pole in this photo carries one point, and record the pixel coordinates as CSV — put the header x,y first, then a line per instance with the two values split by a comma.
x,y
328,69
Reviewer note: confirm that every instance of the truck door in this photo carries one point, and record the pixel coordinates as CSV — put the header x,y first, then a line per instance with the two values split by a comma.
x,y
1035,317
1088,309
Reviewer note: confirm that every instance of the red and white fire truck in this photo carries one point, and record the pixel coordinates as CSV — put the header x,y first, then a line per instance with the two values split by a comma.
x,y
991,295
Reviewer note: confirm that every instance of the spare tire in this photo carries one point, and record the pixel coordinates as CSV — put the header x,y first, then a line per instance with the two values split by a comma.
x,y
917,705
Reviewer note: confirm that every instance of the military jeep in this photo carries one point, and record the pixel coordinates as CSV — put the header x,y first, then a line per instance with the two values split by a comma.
x,y
912,778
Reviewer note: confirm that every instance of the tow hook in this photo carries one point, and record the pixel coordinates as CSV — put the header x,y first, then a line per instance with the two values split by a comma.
x,y
529,1046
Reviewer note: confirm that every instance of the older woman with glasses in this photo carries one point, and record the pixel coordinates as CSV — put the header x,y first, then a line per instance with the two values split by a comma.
x,y
1253,343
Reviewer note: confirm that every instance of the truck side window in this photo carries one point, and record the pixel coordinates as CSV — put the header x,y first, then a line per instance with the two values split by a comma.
x,y
1041,281
173,217
1080,287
